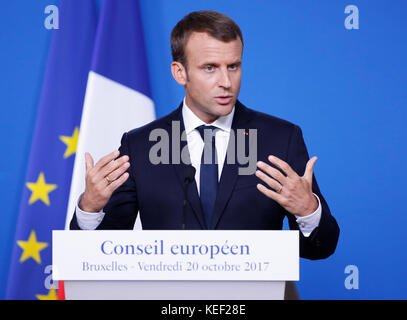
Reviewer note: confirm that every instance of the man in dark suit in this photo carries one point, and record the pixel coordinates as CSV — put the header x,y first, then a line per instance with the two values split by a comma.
x,y
207,49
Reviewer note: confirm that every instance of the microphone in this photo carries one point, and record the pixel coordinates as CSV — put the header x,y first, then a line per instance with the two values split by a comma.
x,y
189,176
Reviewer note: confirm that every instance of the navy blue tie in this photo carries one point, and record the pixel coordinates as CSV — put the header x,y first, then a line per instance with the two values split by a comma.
x,y
208,181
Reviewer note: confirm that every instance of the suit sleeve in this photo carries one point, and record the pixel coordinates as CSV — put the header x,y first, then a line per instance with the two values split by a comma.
x,y
122,208
321,243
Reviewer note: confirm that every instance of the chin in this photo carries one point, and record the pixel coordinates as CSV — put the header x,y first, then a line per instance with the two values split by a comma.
x,y
224,110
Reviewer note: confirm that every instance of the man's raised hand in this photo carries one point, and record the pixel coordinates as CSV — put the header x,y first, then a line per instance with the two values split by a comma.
x,y
291,191
103,179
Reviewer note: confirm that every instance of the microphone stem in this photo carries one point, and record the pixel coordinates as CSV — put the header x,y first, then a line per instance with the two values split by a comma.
x,y
184,205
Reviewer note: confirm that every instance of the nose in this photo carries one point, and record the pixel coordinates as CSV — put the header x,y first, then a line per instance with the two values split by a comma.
x,y
224,79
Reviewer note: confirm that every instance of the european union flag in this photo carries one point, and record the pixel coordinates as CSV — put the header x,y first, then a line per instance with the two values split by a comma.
x,y
46,191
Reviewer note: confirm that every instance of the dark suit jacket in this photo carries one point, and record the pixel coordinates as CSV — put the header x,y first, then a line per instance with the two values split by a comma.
x,y
156,191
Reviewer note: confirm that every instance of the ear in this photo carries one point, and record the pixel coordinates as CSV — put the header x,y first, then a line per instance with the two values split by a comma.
x,y
179,73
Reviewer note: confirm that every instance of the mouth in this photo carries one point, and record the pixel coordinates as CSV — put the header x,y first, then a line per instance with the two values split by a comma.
x,y
223,100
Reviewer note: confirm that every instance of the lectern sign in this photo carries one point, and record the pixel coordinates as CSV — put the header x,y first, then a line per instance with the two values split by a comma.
x,y
176,255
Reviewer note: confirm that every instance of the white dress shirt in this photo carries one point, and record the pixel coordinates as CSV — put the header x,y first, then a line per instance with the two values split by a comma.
x,y
90,221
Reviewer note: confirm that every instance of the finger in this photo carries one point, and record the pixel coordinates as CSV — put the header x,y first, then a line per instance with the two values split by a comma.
x,y
114,175
106,159
88,161
271,182
118,182
269,193
112,166
309,169
272,172
282,165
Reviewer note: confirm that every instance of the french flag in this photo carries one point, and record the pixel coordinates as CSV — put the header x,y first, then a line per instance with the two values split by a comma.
x,y
118,94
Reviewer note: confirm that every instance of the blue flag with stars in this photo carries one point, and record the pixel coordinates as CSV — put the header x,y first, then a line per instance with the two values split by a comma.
x,y
46,191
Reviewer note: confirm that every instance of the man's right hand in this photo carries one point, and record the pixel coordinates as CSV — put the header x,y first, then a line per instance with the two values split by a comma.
x,y
102,180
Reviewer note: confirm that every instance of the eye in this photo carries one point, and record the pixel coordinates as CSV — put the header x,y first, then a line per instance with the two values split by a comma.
x,y
233,67
209,68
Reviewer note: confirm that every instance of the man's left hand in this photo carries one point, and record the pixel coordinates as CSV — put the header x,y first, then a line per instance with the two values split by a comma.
x,y
292,192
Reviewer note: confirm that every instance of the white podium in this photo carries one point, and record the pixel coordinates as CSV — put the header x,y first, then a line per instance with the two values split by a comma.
x,y
175,265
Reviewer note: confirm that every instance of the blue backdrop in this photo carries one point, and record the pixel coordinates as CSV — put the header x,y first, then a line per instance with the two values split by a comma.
x,y
347,89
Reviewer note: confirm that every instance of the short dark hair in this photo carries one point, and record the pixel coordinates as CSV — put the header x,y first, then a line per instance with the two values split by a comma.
x,y
217,25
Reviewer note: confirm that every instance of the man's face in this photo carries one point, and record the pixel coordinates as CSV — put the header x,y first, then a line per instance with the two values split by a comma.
x,y
214,75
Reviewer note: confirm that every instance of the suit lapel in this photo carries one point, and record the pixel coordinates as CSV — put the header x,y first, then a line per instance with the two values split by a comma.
x,y
192,195
225,188
229,171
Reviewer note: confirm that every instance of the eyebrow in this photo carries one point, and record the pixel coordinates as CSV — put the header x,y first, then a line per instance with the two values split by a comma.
x,y
237,62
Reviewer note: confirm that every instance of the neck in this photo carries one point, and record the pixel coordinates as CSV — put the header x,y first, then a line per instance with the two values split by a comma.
x,y
204,116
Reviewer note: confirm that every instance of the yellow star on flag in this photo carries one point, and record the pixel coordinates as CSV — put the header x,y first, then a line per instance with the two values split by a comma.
x,y
52,295
71,143
31,248
40,190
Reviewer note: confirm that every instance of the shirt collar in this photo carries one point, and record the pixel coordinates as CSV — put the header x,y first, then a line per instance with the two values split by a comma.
x,y
191,121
